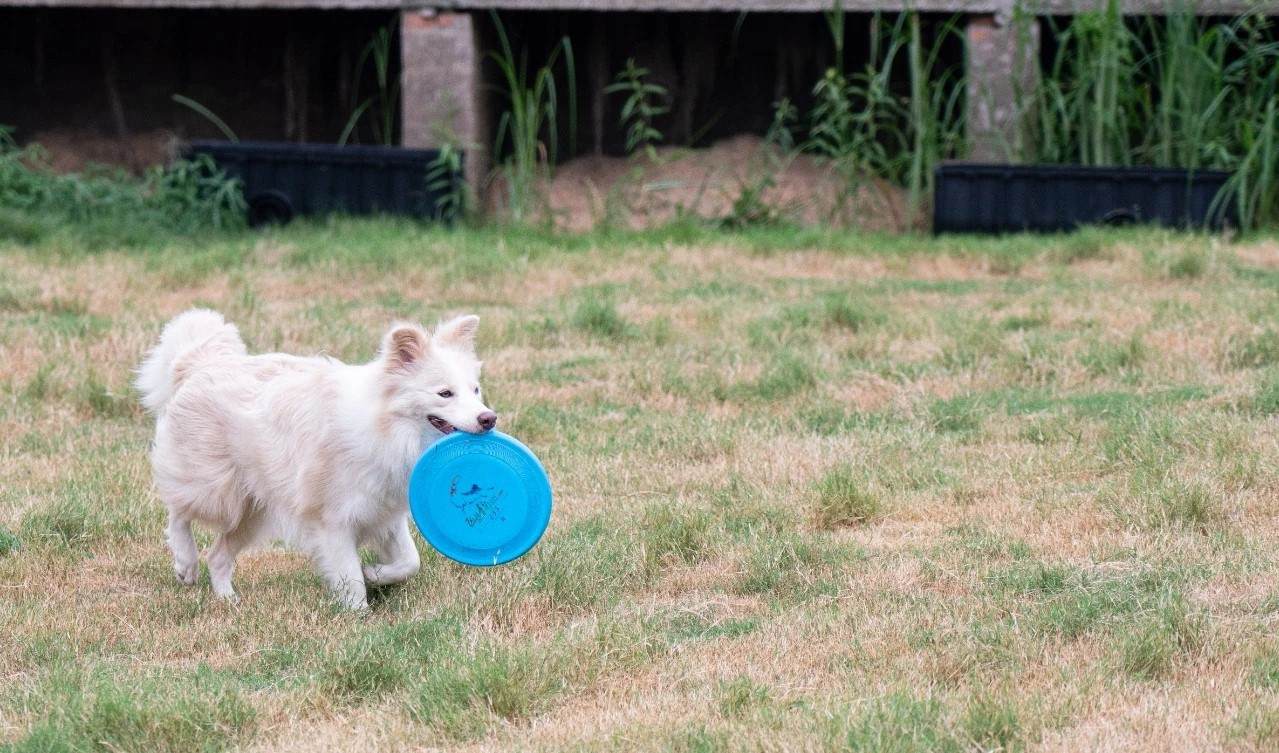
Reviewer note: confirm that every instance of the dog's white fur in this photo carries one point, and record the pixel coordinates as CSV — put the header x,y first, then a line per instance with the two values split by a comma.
x,y
309,450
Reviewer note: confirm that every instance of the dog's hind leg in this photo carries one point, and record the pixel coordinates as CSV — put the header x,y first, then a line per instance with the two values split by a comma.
x,y
186,560
397,556
226,549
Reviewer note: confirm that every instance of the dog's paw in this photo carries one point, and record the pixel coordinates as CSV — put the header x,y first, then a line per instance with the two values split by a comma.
x,y
187,574
227,594
375,575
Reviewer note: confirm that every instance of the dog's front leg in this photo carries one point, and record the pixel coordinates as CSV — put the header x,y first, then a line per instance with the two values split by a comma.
x,y
338,560
397,556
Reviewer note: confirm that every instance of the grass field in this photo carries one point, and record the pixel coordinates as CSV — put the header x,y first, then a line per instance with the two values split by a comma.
x,y
813,493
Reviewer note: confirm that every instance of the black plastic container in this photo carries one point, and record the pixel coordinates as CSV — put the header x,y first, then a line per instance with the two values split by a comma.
x,y
972,198
283,180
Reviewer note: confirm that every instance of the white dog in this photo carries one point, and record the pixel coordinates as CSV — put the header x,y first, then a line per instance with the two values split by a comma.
x,y
310,450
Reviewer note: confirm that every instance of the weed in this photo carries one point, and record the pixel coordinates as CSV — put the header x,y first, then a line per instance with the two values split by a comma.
x,y
644,103
444,179
863,128
993,725
1183,505
589,564
385,660
387,97
529,125
1173,629
41,384
898,723
1265,670
187,196
208,115
842,499
1187,265
1256,723
686,627
9,543
1253,351
102,401
784,566
740,696
784,376
673,533
599,316
1022,323
1103,358
957,415
850,312
1266,399
1175,91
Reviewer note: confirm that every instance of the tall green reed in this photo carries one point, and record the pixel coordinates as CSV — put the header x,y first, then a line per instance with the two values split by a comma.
x,y
528,130
385,102
1176,90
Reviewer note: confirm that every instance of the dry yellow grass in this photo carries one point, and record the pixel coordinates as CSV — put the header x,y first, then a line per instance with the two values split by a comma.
x,y
1069,448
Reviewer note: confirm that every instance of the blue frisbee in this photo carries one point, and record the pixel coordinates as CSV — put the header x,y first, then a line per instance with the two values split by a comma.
x,y
480,499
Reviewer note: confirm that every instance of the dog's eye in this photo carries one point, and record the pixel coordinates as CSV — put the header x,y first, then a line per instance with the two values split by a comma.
x,y
477,390
445,393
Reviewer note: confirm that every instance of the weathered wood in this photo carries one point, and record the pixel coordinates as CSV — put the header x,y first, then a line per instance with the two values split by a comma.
x,y
111,84
597,76
1040,7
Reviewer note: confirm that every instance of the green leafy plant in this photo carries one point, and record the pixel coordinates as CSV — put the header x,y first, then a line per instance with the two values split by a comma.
x,y
444,178
186,196
866,129
645,102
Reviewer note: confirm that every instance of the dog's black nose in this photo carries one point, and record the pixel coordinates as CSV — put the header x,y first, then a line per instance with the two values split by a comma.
x,y
487,419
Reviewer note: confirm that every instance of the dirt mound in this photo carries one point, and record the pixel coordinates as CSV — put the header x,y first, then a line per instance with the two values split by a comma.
x,y
738,179
72,150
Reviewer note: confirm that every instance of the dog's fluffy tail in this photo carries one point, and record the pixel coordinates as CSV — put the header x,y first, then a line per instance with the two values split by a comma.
x,y
188,339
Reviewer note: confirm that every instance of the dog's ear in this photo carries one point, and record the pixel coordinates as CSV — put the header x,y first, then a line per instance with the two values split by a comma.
x,y
458,332
404,345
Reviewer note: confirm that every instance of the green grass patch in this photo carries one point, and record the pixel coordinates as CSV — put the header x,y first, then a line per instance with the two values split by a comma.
x,y
958,415
1265,670
9,542
1253,351
994,724
737,698
385,660
598,316
785,375
127,713
843,500
1256,723
1152,645
687,626
1266,399
588,565
1109,358
898,723
789,568
672,533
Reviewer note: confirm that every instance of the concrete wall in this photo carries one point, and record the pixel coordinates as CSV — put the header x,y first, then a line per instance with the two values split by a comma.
x,y
442,100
